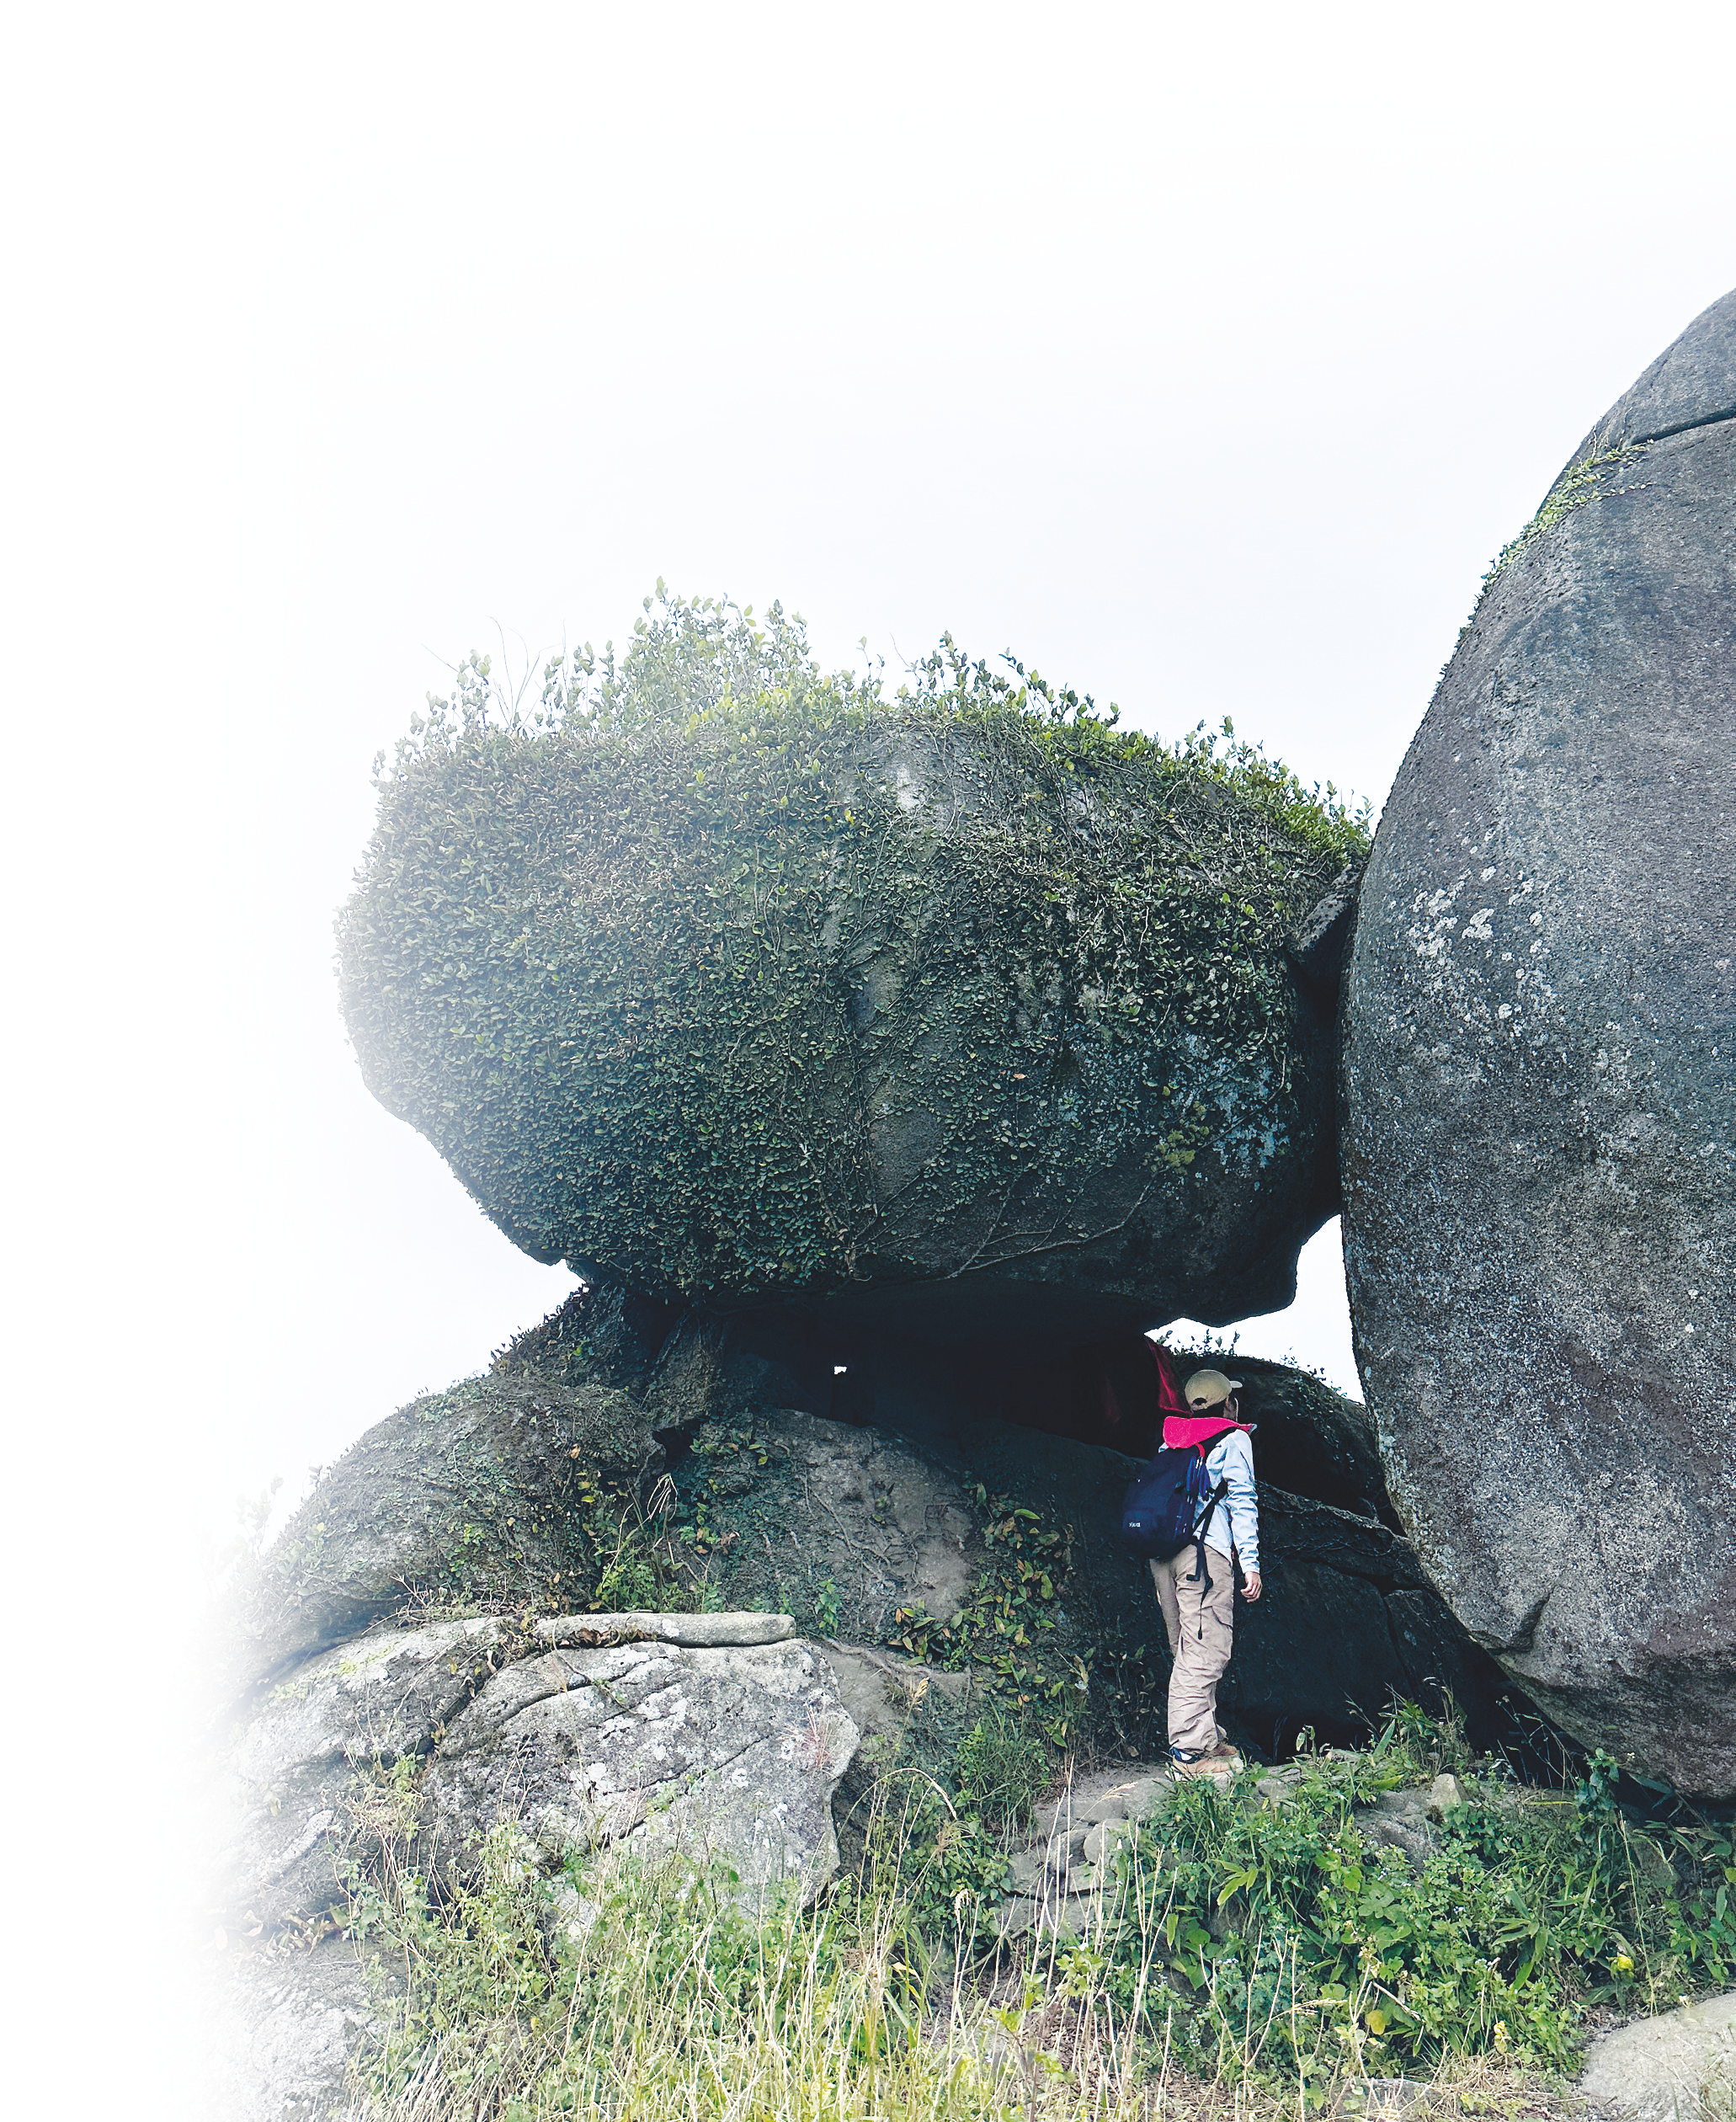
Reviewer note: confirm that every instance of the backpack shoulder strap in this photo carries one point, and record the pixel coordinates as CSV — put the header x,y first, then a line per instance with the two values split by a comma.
x,y
1202,1568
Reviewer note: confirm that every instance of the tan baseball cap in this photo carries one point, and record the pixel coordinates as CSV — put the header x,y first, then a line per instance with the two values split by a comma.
x,y
1206,1388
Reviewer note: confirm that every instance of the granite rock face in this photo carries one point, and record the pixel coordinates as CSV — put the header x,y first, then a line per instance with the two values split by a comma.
x,y
731,1752
659,1706
1539,1093
289,1795
712,1734
894,1539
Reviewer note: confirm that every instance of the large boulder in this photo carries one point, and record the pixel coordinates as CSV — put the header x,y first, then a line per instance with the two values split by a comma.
x,y
1539,1097
497,1490
714,1731
954,1013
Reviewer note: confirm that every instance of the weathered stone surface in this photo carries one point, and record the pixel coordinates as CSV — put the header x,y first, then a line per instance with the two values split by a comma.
x,y
1539,1099
285,2030
294,1790
881,1521
486,1491
1691,384
1315,1620
1400,1820
287,1793
1310,1440
1439,1661
908,1715
686,1631
1672,2069
936,1014
731,1752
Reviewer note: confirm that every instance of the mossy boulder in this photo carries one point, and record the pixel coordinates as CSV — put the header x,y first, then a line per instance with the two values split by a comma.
x,y
741,983
494,1493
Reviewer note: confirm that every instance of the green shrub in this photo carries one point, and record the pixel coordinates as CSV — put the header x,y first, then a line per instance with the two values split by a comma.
x,y
1290,1922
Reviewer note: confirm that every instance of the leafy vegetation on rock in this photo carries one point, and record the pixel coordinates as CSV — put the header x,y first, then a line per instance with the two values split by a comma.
x,y
1272,1952
1289,1917
729,974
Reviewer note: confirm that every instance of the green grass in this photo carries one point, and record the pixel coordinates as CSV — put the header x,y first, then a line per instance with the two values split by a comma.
x,y
1261,1956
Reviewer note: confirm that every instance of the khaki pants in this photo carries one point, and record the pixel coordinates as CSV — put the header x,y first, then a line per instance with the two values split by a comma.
x,y
1200,1625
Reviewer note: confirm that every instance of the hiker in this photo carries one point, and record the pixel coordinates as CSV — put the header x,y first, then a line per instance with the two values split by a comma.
x,y
1196,1586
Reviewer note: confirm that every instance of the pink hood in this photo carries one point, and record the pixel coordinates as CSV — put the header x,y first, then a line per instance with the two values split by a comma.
x,y
1180,1431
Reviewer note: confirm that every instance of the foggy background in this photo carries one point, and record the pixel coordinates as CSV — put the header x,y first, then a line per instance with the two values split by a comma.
x,y
1204,357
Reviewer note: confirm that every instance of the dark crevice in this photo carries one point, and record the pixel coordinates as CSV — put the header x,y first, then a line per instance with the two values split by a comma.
x,y
1520,1640
1681,427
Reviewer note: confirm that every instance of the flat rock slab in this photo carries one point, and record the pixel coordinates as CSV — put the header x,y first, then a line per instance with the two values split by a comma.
x,y
688,1631
1662,2070
731,1752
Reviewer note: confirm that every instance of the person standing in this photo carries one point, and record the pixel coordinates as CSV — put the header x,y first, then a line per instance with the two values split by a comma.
x,y
1196,1588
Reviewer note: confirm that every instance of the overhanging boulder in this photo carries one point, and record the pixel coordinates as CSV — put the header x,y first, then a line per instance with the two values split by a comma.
x,y
963,1013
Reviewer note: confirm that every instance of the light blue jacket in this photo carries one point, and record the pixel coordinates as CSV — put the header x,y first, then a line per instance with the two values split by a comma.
x,y
1237,1517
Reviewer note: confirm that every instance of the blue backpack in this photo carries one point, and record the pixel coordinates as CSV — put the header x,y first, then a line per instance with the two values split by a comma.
x,y
1158,1510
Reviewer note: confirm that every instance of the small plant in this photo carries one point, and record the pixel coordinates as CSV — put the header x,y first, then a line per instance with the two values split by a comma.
x,y
1002,1768
1596,1795
1417,1744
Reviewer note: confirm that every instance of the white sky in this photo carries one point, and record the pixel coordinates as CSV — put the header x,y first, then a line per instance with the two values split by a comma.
x,y
1205,357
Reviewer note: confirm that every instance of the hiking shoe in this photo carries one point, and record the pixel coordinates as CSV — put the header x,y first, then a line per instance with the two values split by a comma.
x,y
1222,1761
